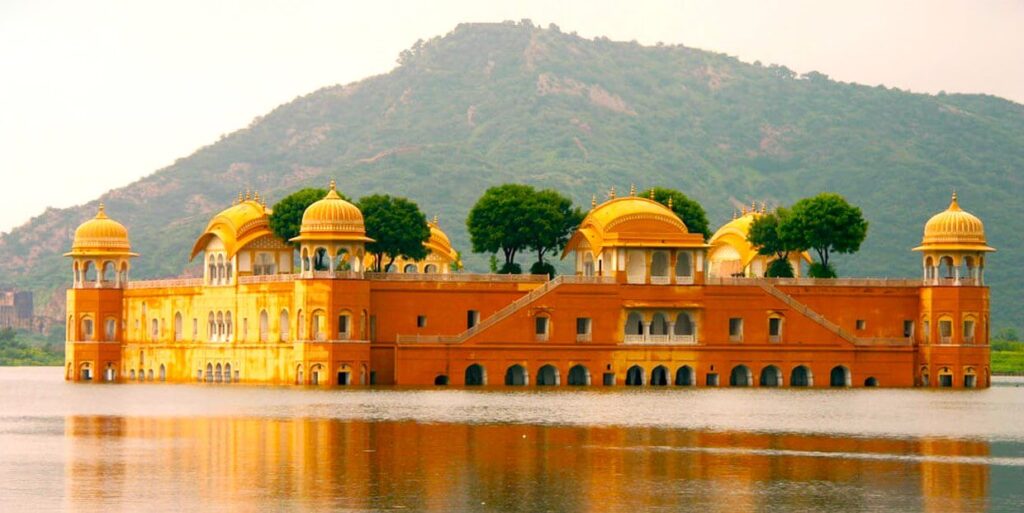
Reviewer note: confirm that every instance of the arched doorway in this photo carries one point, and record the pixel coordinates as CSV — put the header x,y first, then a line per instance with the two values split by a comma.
x,y
579,375
740,376
218,374
945,377
636,266
659,267
110,373
684,376
315,372
85,371
298,375
635,376
516,376
659,376
209,373
163,373
441,380
839,377
634,324
227,373
771,376
871,382
547,376
476,375
800,377
343,377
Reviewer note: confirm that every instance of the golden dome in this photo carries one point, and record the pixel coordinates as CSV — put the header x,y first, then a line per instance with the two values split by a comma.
x,y
439,243
631,221
954,229
101,235
734,235
236,226
332,218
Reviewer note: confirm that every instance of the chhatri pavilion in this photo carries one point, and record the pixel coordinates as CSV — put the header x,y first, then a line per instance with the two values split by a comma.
x,y
650,304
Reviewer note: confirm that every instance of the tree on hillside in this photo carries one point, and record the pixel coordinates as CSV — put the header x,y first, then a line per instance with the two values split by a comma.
x,y
827,224
551,219
286,218
398,229
497,222
772,234
689,211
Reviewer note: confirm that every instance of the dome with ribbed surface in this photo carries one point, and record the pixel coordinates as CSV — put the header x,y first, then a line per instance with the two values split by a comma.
x,y
332,218
631,221
101,235
954,229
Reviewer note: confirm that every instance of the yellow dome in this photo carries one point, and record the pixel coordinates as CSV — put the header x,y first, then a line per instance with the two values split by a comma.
x,y
954,229
439,243
101,235
236,226
634,222
332,218
734,234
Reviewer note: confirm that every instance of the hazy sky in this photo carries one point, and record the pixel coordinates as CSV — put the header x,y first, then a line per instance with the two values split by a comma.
x,y
94,95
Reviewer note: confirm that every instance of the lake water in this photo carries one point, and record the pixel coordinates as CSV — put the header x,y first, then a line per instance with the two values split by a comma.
x,y
150,447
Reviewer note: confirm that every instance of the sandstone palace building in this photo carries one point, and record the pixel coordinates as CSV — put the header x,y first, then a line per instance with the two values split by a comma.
x,y
649,304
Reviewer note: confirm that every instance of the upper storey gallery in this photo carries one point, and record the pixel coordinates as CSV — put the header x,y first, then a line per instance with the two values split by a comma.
x,y
630,240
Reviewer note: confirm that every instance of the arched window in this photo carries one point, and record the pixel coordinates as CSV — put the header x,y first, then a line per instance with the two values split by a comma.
x,y
177,326
108,272
321,260
264,326
659,324
684,376
409,269
222,330
548,376
342,260
636,266
305,259
945,377
430,269
839,377
635,376
771,376
659,376
588,264
970,378
441,380
634,325
929,268
344,326
801,377
154,330
516,376
88,333
684,267
579,376
659,267
110,329
163,373
229,327
284,329
476,375
740,376
211,328
871,381
209,373
218,374
319,330
89,272
123,277
227,373
684,325
946,268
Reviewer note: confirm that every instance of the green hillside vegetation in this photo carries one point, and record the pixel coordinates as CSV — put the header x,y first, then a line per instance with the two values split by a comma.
x,y
23,348
497,103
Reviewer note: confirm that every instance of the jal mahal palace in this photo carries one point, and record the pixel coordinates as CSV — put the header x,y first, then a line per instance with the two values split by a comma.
x,y
649,304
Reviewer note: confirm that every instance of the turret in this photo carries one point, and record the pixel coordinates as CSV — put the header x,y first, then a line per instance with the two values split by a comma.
x,y
332,236
100,261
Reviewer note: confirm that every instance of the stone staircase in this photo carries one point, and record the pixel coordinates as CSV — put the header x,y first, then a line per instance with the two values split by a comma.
x,y
806,311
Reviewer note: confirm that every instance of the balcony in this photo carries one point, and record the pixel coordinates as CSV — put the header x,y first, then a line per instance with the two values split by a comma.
x,y
659,280
659,339
684,280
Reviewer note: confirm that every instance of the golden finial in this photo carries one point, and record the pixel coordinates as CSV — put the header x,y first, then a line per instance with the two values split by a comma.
x,y
670,202
248,196
435,219
593,201
753,206
632,189
256,196
764,207
652,194
334,186
239,196
734,216
101,213
611,193
955,203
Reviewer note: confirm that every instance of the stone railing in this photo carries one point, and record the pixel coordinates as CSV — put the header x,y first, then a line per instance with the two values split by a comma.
x,y
266,278
659,339
816,282
167,283
473,277
886,342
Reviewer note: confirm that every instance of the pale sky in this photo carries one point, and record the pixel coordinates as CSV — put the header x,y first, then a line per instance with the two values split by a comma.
x,y
95,95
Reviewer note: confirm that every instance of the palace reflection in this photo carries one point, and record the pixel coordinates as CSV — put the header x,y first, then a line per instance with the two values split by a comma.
x,y
244,464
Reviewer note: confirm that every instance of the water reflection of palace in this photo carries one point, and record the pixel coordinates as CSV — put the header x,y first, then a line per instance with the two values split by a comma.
x,y
650,304
241,464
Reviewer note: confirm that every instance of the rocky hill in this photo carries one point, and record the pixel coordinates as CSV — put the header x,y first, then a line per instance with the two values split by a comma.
x,y
493,103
